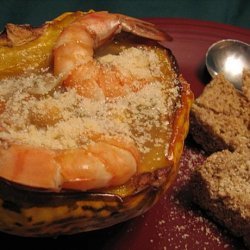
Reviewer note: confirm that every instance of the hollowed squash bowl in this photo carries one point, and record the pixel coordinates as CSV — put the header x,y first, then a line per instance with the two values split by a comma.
x,y
33,212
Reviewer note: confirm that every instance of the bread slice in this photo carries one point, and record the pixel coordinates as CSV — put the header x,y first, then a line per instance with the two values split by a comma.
x,y
220,117
246,83
220,120
222,187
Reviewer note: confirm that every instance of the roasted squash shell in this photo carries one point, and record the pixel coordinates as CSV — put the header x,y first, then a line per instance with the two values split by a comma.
x,y
33,212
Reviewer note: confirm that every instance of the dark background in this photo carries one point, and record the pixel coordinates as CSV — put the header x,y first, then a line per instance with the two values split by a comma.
x,y
35,12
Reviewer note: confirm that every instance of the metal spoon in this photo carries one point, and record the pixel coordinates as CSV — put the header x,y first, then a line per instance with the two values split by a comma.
x,y
229,57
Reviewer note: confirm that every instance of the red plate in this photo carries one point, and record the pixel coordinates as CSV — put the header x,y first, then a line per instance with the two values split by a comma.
x,y
174,222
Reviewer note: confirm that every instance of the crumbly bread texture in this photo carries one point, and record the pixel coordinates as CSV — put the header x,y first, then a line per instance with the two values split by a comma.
x,y
220,117
246,83
222,187
220,120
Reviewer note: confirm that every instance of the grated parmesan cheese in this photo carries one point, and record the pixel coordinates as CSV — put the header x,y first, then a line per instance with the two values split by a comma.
x,y
64,119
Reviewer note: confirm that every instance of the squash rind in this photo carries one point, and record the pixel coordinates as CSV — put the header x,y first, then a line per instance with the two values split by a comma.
x,y
34,213
49,214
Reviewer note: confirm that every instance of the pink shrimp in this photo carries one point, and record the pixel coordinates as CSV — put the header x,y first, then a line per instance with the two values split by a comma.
x,y
102,164
105,162
74,51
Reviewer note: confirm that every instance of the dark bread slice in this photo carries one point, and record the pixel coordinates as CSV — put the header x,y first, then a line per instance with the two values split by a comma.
x,y
220,117
222,187
246,84
220,120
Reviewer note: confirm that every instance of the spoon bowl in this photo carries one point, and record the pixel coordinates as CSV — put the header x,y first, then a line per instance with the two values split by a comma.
x,y
229,57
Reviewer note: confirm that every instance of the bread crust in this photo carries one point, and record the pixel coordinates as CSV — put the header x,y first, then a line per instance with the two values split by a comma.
x,y
220,117
221,187
220,123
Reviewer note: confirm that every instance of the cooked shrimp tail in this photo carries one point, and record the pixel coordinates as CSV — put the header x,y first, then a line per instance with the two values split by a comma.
x,y
74,53
143,29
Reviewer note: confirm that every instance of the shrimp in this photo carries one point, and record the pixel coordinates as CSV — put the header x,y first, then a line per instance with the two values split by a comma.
x,y
102,164
74,53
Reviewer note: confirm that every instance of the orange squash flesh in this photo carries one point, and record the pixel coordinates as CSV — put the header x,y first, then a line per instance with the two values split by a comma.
x,y
33,212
